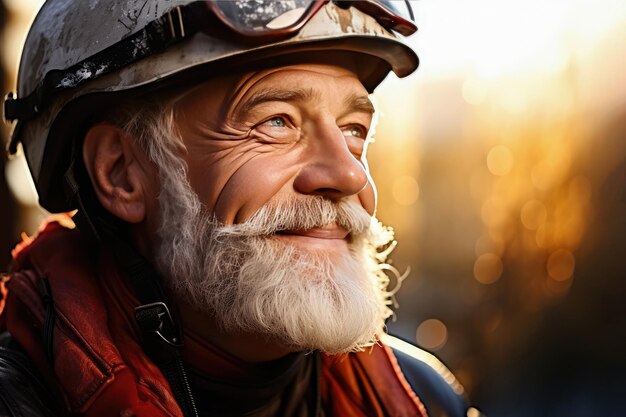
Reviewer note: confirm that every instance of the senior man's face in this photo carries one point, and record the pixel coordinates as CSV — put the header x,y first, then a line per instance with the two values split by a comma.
x,y
275,233
297,130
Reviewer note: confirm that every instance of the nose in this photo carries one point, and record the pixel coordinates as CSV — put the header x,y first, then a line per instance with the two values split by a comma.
x,y
331,169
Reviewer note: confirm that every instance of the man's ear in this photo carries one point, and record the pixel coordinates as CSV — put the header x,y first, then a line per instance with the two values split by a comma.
x,y
119,171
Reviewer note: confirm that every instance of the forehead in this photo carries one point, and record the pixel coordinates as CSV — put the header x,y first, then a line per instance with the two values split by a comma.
x,y
303,71
322,81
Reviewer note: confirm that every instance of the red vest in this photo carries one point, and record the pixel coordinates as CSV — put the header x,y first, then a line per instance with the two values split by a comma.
x,y
99,367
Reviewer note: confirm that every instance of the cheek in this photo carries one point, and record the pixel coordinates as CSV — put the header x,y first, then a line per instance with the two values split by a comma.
x,y
212,165
241,191
207,177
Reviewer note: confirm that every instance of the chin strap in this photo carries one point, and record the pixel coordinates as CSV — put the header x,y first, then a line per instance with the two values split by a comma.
x,y
162,336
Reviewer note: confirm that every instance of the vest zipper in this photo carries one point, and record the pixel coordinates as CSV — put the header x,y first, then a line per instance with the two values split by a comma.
x,y
191,404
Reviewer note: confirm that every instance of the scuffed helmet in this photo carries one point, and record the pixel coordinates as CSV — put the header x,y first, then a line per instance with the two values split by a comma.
x,y
81,55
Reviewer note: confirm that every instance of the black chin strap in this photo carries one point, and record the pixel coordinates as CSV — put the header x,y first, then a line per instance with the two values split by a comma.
x,y
162,336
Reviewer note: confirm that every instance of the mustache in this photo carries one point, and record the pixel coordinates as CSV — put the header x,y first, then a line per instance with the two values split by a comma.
x,y
302,213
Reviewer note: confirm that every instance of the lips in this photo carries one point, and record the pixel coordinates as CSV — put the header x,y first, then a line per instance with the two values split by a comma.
x,y
329,234
330,231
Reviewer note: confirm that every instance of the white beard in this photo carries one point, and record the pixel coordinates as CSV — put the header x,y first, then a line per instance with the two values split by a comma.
x,y
252,282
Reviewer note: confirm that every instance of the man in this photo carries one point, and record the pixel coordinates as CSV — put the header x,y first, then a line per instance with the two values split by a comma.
x,y
226,261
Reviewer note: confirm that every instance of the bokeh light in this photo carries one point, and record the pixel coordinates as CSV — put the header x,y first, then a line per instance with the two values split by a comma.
x,y
405,190
474,90
432,334
561,265
500,160
488,268
534,214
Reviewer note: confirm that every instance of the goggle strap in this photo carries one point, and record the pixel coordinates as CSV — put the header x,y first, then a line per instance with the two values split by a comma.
x,y
155,37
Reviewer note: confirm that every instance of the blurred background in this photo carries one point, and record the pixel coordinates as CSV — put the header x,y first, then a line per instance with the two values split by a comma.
x,y
501,164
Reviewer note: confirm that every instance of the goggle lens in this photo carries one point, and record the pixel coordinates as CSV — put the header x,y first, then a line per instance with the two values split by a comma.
x,y
400,8
259,16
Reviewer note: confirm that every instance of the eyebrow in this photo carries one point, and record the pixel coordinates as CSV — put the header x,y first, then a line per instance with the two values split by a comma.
x,y
264,96
359,103
353,103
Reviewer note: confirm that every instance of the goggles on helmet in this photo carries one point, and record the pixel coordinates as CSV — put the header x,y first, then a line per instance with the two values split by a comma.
x,y
249,21
255,21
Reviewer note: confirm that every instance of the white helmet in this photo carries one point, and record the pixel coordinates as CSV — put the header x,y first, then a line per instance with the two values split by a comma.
x,y
80,55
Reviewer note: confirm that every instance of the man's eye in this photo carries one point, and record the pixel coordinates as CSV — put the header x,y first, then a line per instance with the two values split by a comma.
x,y
277,129
355,131
277,122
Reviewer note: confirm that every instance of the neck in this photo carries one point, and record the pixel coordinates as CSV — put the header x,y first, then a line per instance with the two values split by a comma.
x,y
247,346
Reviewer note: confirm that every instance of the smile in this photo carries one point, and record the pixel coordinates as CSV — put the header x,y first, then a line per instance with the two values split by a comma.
x,y
331,235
